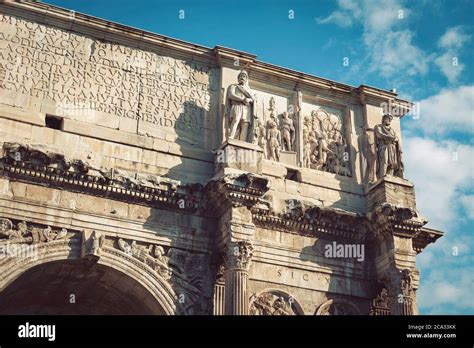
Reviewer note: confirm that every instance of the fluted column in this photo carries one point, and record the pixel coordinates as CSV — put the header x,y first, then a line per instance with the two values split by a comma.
x,y
219,292
237,262
403,293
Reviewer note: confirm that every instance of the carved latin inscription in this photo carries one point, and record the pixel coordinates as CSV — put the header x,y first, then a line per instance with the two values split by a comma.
x,y
83,78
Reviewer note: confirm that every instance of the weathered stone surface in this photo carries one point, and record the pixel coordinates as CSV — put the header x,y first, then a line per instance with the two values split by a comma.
x,y
125,169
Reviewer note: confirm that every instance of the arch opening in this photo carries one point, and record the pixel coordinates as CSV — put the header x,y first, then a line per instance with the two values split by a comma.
x,y
75,287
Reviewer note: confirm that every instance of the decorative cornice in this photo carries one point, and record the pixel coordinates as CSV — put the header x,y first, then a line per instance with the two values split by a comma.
x,y
396,220
425,237
313,220
235,190
164,194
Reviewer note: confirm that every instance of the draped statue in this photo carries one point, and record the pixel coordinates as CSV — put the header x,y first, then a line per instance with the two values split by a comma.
x,y
389,152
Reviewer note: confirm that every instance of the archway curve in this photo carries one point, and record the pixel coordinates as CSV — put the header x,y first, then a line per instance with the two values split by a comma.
x,y
278,292
11,268
325,306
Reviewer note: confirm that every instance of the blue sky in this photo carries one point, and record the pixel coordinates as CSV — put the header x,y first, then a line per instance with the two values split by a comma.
x,y
424,49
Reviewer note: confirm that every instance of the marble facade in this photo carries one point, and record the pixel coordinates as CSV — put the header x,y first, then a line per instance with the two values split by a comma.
x,y
120,178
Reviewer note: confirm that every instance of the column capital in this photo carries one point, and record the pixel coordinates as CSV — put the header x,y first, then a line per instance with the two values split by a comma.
x,y
400,286
237,255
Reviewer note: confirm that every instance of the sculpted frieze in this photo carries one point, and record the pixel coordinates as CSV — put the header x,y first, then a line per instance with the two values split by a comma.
x,y
272,303
337,307
22,232
324,145
186,272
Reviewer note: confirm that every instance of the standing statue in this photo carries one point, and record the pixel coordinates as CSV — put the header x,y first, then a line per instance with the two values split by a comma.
x,y
322,150
241,109
371,154
389,153
287,132
299,103
261,135
274,141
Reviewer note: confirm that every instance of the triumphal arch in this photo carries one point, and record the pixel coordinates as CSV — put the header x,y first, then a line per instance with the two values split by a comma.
x,y
140,174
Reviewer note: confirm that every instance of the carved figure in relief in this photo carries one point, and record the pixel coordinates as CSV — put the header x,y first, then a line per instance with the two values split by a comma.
x,y
287,132
241,109
61,234
371,154
307,154
389,153
324,147
269,303
124,246
322,150
274,141
29,234
280,307
262,138
382,298
7,231
299,102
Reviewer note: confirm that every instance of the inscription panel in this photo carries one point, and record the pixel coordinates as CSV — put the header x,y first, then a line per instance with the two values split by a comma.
x,y
68,74
306,279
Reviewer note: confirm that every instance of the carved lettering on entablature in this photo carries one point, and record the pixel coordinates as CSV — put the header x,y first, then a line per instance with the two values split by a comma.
x,y
75,76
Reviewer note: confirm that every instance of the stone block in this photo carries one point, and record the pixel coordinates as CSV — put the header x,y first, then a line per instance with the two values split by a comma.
x,y
239,155
5,189
150,130
288,157
43,194
273,169
66,141
16,114
149,157
128,125
391,190
139,212
42,135
18,189
21,130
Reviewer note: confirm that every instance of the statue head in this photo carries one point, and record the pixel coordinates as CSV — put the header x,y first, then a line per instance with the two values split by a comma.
x,y
243,77
22,226
386,119
159,251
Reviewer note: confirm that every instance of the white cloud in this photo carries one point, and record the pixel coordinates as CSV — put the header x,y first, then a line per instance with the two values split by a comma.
x,y
441,172
339,18
448,296
449,110
454,37
396,53
391,50
468,204
450,65
449,62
